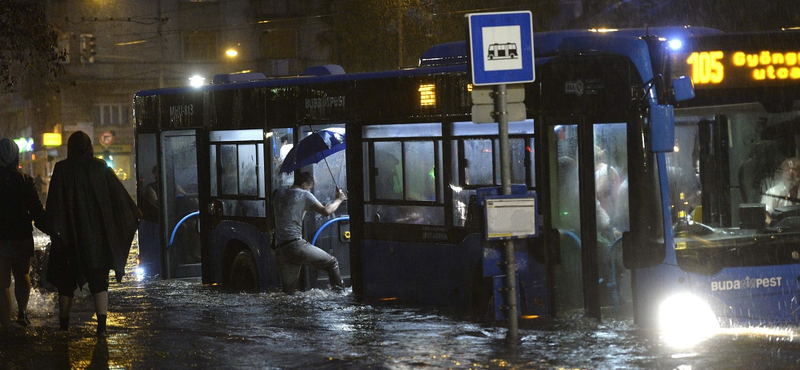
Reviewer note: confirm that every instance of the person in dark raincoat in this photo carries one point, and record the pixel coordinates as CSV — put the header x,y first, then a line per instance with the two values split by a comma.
x,y
96,220
19,205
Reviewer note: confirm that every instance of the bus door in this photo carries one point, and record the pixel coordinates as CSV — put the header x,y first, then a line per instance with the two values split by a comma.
x,y
239,254
147,197
179,187
589,209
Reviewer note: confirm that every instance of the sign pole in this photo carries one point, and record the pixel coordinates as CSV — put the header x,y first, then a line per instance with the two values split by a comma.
x,y
501,116
501,52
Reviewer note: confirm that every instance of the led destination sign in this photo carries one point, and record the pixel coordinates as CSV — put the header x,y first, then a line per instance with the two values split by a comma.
x,y
737,68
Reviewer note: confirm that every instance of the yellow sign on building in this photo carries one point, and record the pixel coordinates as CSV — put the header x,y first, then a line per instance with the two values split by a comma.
x,y
51,139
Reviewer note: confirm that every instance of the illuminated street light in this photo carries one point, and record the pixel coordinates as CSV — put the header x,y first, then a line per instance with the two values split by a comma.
x,y
231,53
197,81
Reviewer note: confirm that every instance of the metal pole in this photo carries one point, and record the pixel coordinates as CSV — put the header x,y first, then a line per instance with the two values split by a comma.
x,y
501,115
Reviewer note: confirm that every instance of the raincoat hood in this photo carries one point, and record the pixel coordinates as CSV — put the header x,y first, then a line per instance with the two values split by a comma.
x,y
9,153
79,146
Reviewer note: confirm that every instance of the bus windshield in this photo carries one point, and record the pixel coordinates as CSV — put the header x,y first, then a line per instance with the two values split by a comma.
x,y
733,180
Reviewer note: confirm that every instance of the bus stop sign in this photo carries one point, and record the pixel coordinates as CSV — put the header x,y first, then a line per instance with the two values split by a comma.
x,y
501,48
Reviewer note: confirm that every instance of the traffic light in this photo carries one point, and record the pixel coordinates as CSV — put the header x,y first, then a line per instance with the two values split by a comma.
x,y
88,48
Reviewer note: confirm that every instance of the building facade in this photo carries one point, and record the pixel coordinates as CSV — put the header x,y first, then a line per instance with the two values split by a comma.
x,y
116,48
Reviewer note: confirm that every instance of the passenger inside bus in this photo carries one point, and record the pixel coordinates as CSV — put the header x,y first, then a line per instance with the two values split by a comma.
x,y
757,171
784,192
150,207
285,179
607,183
388,174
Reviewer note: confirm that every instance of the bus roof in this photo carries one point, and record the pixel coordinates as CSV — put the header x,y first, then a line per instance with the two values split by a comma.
x,y
301,80
443,58
548,43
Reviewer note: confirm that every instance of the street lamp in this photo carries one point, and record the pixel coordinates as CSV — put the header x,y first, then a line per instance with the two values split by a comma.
x,y
231,53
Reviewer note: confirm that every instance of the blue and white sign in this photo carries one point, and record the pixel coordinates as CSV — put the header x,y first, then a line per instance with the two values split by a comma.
x,y
501,48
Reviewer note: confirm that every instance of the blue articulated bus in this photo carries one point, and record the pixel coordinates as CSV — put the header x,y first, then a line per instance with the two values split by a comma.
x,y
637,175
735,250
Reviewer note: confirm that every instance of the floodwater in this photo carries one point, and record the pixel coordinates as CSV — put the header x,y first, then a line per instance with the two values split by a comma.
x,y
181,324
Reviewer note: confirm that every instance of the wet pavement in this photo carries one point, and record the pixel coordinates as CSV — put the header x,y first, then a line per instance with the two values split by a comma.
x,y
181,324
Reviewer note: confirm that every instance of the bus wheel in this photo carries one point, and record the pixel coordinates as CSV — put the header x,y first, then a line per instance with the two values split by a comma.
x,y
244,275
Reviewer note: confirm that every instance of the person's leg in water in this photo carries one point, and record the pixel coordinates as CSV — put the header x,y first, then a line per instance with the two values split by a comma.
x,y
65,298
288,269
21,268
100,307
101,310
322,260
98,286
5,292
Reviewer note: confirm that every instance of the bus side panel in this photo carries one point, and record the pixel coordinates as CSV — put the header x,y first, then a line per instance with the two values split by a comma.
x,y
436,274
449,275
758,294
754,295
531,275
229,234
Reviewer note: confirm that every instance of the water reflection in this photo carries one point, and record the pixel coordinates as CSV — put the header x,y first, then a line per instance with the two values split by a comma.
x,y
181,324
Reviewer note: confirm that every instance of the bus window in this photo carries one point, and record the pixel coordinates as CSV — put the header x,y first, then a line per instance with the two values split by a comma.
x,y
517,149
728,162
420,175
230,180
212,154
238,170
148,201
282,142
683,172
329,174
388,170
248,180
476,161
405,175
478,169
611,181
241,169
566,215
566,199
181,199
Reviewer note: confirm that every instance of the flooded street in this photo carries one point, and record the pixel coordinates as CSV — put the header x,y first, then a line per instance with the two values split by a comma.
x,y
181,324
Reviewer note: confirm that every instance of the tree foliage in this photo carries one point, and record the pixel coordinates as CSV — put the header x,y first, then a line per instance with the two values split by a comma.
x,y
29,45
385,34
725,15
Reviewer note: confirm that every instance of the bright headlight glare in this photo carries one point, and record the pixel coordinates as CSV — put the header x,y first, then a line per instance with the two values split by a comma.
x,y
675,44
139,272
685,320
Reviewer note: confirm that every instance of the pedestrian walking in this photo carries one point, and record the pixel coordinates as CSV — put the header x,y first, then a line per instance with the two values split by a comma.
x,y
19,205
96,220
292,251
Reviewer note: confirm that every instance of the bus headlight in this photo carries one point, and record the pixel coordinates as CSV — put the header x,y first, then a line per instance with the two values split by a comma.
x,y
139,272
685,320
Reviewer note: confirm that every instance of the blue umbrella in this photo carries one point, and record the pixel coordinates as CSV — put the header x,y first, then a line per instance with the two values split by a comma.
x,y
314,148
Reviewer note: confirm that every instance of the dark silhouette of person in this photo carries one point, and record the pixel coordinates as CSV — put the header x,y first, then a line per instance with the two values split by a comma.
x,y
19,205
757,171
149,205
96,220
